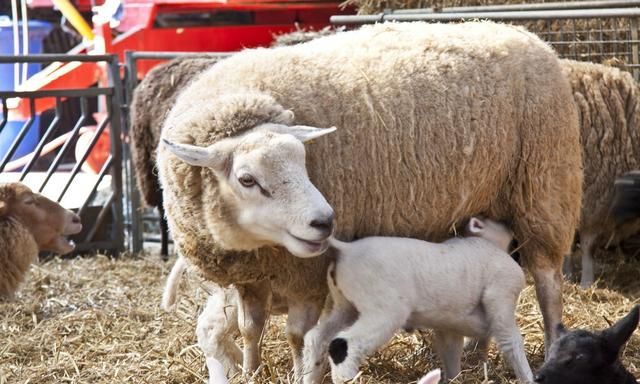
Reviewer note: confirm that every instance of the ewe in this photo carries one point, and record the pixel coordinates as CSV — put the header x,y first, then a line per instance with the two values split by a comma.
x,y
29,223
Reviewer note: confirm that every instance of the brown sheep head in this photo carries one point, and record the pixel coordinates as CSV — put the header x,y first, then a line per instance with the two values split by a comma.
x,y
47,221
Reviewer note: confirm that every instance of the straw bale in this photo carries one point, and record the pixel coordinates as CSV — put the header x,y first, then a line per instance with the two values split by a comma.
x,y
98,320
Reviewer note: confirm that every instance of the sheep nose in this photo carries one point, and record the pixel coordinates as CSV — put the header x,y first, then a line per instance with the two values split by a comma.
x,y
323,224
75,219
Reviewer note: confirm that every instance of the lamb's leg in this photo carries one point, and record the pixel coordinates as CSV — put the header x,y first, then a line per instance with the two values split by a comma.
x,y
449,347
350,347
217,326
164,234
252,315
335,317
501,308
301,317
587,277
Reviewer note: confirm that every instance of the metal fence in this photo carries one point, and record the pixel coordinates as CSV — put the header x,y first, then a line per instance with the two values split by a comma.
x,y
63,162
607,35
146,223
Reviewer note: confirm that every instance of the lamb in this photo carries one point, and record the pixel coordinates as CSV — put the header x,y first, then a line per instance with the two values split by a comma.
x,y
583,357
454,89
608,102
387,283
29,223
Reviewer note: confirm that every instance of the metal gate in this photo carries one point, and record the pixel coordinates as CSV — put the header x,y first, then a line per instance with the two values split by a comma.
x,y
59,154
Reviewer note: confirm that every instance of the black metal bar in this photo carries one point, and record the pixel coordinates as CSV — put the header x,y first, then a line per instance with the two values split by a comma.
x,y
5,114
503,16
81,161
100,218
84,92
47,57
84,110
23,132
43,141
530,7
114,109
103,172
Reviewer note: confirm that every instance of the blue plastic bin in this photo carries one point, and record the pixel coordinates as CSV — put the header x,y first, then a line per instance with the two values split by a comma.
x,y
38,30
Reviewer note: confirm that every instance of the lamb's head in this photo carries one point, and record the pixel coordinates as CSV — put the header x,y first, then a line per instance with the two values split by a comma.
x,y
583,357
493,231
47,221
263,178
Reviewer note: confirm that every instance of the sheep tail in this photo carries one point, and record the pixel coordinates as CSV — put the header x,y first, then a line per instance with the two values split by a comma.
x,y
173,281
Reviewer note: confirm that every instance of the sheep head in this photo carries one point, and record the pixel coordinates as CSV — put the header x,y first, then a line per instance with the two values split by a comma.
x,y
47,221
262,175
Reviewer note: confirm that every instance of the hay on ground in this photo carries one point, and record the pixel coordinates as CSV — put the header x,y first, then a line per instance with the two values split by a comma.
x,y
98,320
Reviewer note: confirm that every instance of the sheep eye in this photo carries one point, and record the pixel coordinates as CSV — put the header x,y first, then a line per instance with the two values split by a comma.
x,y
247,180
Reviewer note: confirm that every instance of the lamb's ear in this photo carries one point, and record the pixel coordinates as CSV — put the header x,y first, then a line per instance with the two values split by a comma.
x,y
432,377
561,330
475,226
618,334
214,156
301,132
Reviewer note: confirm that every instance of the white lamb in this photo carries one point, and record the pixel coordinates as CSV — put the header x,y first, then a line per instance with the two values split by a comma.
x,y
462,287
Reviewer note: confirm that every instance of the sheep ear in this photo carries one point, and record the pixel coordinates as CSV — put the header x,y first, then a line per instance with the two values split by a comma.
x,y
618,334
301,132
432,377
214,156
475,226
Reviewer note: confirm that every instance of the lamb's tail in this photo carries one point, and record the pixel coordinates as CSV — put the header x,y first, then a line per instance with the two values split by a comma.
x,y
171,287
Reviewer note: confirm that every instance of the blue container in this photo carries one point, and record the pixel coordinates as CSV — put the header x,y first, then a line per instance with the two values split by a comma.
x,y
38,30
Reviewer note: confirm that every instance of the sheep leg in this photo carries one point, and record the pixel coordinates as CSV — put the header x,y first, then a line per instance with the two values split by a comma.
x,y
316,342
252,314
301,317
217,326
587,276
503,327
351,346
449,348
548,283
164,234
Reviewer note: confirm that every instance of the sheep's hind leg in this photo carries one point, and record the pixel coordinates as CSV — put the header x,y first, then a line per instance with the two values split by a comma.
x,y
449,347
217,326
301,317
350,347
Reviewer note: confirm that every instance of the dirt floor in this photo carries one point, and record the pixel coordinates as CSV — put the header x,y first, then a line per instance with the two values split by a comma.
x,y
98,320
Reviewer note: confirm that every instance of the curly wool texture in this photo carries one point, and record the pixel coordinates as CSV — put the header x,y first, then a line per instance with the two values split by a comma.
x,y
608,102
436,123
152,101
18,248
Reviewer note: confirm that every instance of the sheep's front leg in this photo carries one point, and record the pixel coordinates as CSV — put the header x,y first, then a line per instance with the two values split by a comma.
x,y
252,314
449,347
336,316
216,329
350,347
301,317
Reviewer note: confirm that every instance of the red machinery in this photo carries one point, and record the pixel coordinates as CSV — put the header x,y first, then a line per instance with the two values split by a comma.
x,y
182,25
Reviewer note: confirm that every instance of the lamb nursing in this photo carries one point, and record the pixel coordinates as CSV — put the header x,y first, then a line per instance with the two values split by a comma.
x,y
379,285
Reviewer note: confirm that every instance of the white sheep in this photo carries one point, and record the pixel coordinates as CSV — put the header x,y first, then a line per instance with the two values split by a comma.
x,y
462,287
437,123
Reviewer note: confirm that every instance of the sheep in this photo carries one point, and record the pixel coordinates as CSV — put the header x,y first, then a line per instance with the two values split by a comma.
x,y
462,287
152,100
583,357
468,92
609,107
626,201
30,223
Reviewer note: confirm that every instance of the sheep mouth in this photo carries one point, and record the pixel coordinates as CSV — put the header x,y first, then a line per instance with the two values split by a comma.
x,y
313,246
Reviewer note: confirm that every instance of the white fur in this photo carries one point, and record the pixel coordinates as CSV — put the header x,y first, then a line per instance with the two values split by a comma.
x,y
432,377
171,287
462,287
280,207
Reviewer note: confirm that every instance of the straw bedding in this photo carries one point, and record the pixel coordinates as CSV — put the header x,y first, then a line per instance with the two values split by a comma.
x,y
98,320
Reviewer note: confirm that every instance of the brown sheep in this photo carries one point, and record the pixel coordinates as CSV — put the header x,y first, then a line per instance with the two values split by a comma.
x,y
608,102
29,223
